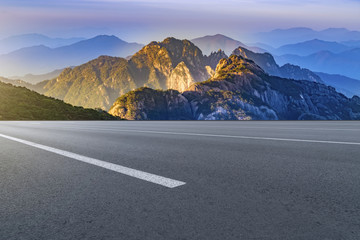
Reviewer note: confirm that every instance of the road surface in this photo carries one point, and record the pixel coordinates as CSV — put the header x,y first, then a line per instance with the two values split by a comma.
x,y
180,180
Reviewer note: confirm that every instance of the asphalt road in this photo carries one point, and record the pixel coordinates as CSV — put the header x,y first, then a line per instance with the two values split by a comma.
x,y
231,180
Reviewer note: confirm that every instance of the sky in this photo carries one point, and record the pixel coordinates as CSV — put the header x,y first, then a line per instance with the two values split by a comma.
x,y
146,20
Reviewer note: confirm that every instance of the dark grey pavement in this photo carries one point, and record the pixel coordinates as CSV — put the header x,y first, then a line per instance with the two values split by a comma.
x,y
244,180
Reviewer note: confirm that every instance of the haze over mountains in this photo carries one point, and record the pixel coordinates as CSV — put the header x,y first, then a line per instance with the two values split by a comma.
x,y
332,57
279,37
211,43
347,86
310,47
314,54
352,43
345,63
247,85
16,42
34,79
42,59
266,61
170,64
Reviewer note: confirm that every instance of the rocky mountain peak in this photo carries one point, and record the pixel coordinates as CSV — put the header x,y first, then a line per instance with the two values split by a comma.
x,y
265,60
296,72
214,58
236,65
170,64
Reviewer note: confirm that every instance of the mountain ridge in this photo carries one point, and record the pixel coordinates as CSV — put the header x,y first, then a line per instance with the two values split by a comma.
x,y
239,90
41,59
345,63
212,43
267,62
171,63
279,37
310,47
16,42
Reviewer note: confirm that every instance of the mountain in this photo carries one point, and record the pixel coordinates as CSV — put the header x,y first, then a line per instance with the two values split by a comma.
x,y
267,62
39,59
297,73
21,83
34,79
171,64
310,47
239,90
279,37
264,46
345,63
18,103
345,85
352,44
214,58
13,43
213,43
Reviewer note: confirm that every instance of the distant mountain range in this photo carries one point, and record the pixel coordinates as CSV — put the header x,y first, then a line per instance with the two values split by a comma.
x,y
18,103
42,59
171,64
279,37
190,85
345,85
310,47
213,43
352,44
293,53
266,61
239,90
346,63
34,79
21,83
318,55
13,43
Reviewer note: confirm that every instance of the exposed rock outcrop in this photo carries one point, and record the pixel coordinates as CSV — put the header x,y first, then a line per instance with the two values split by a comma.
x,y
241,90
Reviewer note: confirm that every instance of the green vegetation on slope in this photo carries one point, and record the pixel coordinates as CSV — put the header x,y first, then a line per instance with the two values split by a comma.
x,y
19,103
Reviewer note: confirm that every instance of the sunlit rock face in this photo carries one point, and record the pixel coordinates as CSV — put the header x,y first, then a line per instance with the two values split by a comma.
x,y
180,78
170,64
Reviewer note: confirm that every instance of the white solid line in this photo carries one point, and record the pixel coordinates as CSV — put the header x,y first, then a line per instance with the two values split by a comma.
x,y
166,182
223,136
244,137
259,127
